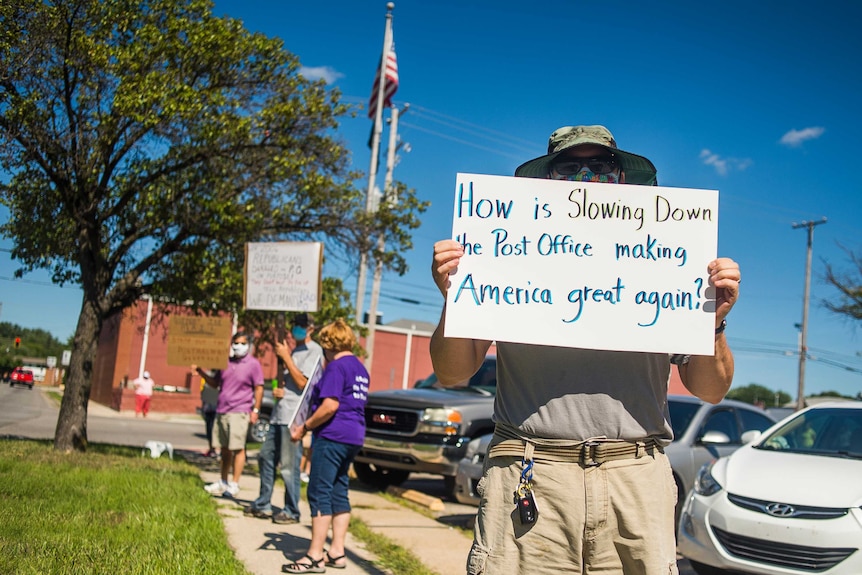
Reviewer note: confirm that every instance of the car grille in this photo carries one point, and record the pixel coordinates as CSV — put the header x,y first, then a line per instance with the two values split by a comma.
x,y
391,420
801,558
786,510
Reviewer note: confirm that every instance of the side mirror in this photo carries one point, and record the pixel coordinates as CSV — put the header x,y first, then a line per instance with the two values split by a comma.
x,y
714,437
750,436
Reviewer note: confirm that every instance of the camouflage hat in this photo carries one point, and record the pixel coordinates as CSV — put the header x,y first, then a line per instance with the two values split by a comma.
x,y
638,169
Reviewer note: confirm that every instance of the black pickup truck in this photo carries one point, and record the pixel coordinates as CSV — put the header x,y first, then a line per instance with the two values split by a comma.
x,y
425,429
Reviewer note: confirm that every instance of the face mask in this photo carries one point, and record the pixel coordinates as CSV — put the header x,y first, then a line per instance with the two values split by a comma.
x,y
239,349
299,333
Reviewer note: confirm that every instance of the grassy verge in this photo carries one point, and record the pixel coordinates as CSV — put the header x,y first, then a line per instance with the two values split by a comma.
x,y
106,511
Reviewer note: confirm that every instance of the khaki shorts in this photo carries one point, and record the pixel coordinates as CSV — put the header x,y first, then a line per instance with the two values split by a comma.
x,y
232,430
617,518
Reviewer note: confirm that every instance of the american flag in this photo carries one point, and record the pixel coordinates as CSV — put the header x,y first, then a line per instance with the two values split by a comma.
x,y
390,87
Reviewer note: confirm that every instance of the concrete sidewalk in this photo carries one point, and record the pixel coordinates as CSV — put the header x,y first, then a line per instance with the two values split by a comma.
x,y
263,546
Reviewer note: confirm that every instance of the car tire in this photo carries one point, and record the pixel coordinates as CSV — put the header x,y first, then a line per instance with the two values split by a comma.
x,y
379,477
702,569
257,431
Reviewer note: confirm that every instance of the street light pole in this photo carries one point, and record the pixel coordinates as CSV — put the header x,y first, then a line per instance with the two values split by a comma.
x,y
803,334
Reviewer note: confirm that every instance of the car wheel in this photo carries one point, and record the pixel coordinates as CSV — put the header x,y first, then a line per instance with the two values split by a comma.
x,y
257,431
702,569
379,477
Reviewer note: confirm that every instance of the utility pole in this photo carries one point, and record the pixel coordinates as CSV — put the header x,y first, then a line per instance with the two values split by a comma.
x,y
375,150
803,334
381,241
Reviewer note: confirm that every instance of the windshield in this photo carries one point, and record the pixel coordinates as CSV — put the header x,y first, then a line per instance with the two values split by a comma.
x,y
829,431
681,414
483,380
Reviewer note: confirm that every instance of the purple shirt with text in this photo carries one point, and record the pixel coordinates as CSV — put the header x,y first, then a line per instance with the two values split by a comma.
x,y
346,380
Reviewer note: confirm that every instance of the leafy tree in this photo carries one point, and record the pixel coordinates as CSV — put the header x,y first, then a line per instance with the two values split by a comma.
x,y
34,343
145,142
757,394
831,393
849,286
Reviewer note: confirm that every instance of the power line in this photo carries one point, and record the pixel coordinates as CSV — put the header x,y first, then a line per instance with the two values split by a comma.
x,y
36,282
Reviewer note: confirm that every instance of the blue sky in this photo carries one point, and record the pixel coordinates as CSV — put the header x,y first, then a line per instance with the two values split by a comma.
x,y
758,100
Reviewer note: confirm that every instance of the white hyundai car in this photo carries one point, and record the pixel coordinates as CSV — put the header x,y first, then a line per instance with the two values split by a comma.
x,y
789,503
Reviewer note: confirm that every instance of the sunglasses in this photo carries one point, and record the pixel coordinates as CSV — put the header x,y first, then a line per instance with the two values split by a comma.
x,y
571,166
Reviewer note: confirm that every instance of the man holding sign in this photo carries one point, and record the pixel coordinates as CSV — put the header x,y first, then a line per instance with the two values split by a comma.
x,y
300,355
576,479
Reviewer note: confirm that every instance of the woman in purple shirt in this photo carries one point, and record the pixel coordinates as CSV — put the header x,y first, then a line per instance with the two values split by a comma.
x,y
338,422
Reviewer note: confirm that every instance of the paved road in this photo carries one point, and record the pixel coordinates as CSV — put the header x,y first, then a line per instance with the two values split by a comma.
x,y
33,413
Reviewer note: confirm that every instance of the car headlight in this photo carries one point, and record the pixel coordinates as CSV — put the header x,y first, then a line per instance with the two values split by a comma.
x,y
441,421
704,483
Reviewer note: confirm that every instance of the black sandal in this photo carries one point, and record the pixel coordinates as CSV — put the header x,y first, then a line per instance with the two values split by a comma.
x,y
311,566
331,561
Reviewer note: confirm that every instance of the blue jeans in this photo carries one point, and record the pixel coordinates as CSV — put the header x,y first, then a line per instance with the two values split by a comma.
x,y
278,449
328,482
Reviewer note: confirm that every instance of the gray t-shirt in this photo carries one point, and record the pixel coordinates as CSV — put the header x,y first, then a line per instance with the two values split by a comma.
x,y
577,394
305,356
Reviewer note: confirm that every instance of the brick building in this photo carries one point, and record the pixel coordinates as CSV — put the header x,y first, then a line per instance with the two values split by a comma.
x,y
136,340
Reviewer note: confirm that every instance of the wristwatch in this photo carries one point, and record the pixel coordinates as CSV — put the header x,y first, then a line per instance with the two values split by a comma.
x,y
721,327
255,410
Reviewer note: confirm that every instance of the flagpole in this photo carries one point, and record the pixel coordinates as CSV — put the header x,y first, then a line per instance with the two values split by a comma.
x,y
375,150
388,196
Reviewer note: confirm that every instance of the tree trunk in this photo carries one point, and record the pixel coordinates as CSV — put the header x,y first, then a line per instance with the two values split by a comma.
x,y
71,432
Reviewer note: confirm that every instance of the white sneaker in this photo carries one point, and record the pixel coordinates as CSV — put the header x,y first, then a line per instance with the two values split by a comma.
x,y
232,489
303,477
217,488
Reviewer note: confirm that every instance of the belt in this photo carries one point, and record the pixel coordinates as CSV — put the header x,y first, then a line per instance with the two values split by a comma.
x,y
589,453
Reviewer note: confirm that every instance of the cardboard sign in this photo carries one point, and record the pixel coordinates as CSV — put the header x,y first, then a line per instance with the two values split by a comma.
x,y
303,407
204,341
580,264
283,276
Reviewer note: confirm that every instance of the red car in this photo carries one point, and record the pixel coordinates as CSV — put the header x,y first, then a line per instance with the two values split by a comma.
x,y
21,376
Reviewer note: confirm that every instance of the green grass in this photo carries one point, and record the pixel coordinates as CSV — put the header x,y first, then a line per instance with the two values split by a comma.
x,y
111,511
107,511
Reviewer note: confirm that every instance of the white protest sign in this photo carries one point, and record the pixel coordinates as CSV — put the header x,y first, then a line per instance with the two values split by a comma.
x,y
303,408
283,276
580,264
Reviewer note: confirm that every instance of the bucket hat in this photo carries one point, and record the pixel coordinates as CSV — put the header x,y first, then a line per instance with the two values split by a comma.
x,y
638,169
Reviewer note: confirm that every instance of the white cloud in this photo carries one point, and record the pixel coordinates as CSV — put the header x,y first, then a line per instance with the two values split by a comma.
x,y
724,165
795,138
329,75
